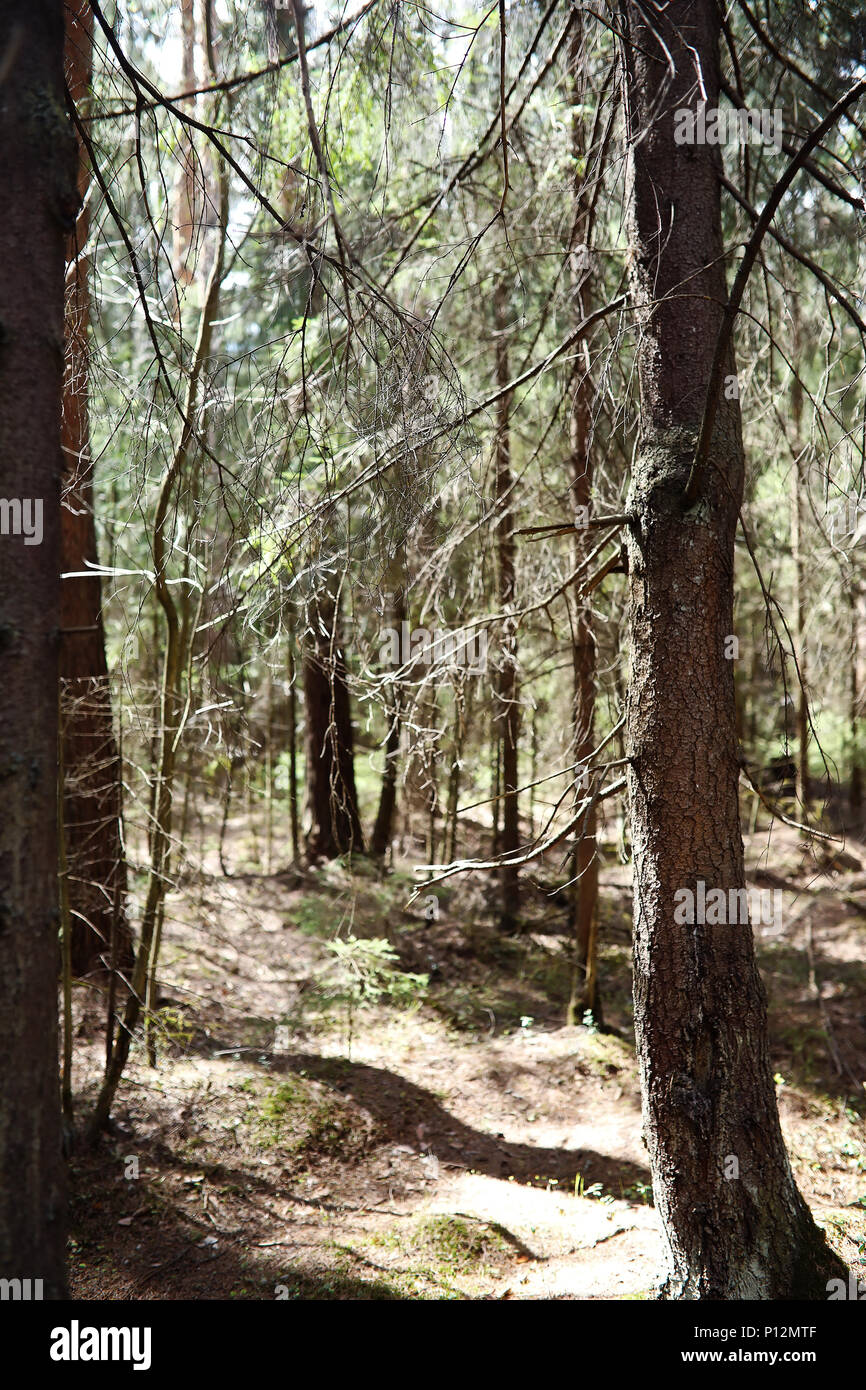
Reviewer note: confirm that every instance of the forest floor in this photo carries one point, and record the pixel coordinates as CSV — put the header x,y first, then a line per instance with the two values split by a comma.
x,y
453,1142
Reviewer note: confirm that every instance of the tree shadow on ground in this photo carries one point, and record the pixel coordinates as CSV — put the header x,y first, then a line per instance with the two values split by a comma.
x,y
400,1107
130,1242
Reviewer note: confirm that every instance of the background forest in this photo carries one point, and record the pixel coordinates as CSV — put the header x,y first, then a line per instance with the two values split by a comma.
x,y
357,656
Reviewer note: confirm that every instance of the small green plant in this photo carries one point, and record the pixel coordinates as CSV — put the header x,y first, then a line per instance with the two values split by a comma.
x,y
642,1190
368,970
174,1026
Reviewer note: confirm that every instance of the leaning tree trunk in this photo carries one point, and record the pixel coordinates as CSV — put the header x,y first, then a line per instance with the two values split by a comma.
x,y
333,824
95,861
39,203
734,1222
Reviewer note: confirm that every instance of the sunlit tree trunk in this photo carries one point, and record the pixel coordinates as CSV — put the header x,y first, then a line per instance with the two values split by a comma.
x,y
95,859
734,1223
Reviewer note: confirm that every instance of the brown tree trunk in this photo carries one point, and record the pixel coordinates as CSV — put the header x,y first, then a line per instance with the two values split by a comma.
x,y
734,1222
382,829
462,712
507,698
333,825
855,785
293,742
798,626
92,807
584,862
187,194
39,201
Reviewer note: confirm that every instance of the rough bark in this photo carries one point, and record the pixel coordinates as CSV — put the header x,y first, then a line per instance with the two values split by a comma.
x,y
798,625
507,697
92,806
293,741
700,1011
39,205
855,784
584,862
380,839
333,825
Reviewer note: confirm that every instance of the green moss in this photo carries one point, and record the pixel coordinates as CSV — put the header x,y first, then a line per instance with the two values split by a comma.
x,y
458,1242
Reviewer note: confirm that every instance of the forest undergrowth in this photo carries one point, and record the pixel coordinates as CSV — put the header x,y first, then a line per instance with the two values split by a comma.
x,y
352,1101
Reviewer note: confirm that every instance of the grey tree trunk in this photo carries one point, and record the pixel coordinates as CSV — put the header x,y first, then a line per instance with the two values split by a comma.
x,y
734,1222
39,202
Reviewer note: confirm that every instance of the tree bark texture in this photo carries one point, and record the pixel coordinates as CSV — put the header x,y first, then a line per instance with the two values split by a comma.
x,y
734,1222
39,206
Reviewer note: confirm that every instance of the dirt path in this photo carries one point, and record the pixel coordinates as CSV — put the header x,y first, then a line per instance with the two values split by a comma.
x,y
456,1143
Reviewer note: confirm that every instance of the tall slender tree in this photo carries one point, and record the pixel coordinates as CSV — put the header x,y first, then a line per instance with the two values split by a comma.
x,y
734,1222
92,807
40,203
333,825
584,864
507,693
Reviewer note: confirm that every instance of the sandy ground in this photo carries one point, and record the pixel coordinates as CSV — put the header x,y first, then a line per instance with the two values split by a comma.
x,y
295,1143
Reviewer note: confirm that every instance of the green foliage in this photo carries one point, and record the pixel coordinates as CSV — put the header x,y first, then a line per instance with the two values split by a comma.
x,y
368,970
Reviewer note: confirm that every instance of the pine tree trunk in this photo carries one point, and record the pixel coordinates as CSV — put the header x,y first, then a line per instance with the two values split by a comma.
x,y
855,784
293,742
333,825
92,806
798,626
584,862
507,698
39,200
382,829
734,1222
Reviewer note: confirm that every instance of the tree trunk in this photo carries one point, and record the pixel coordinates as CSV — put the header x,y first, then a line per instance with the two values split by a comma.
x,y
382,829
496,764
855,785
462,707
40,200
508,706
333,824
734,1222
92,806
293,742
179,631
798,625
584,861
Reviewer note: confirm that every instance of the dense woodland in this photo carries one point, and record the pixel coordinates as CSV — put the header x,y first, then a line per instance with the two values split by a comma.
x,y
433,557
